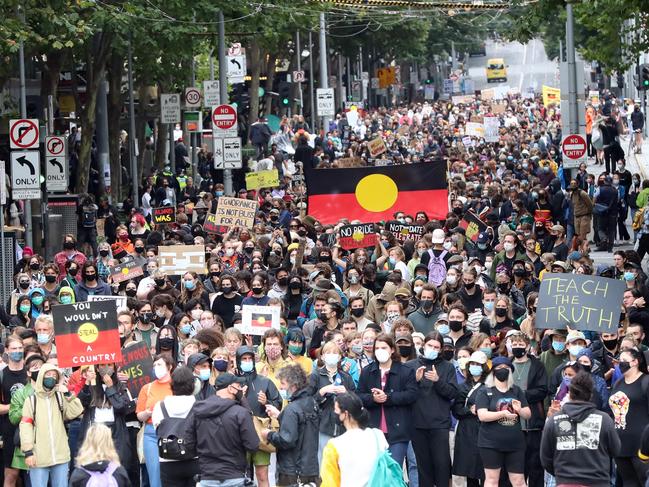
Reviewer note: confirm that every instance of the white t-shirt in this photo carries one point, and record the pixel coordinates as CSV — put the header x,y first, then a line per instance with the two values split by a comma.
x,y
356,469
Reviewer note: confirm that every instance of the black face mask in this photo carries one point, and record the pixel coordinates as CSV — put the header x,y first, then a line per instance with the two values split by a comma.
x,y
248,250
458,211
357,312
501,312
405,350
226,289
34,375
68,245
25,285
610,344
239,395
323,258
34,267
215,273
73,271
146,317
131,292
427,304
139,250
282,281
257,290
469,285
448,355
103,253
90,277
122,340
295,285
624,367
302,233
586,368
518,272
503,288
502,374
518,352
455,325
159,282
166,343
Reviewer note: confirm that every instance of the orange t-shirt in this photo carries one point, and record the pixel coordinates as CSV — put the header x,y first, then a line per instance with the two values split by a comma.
x,y
151,394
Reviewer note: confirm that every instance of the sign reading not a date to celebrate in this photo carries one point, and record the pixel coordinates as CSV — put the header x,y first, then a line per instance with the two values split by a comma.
x,y
580,302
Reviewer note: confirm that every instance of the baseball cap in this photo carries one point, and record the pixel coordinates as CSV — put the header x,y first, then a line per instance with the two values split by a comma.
x,y
196,359
501,361
448,342
478,357
227,379
483,238
403,292
438,236
575,335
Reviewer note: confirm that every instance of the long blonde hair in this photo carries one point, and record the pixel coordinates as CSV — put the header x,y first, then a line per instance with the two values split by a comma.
x,y
98,446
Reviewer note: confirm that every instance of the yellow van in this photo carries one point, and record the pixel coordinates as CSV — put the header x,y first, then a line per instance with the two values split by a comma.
x,y
496,70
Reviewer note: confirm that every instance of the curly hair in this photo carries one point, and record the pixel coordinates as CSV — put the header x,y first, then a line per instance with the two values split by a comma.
x,y
294,376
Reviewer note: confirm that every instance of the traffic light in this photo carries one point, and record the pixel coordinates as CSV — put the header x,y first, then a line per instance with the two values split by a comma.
x,y
429,81
285,94
620,81
643,78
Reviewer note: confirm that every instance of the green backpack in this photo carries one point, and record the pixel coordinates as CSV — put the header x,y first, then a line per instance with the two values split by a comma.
x,y
387,472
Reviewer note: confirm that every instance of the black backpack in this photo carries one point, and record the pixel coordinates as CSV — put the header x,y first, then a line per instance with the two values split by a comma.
x,y
171,442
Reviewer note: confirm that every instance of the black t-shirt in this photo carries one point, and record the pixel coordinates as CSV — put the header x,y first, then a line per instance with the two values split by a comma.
x,y
227,307
504,434
425,257
630,406
12,381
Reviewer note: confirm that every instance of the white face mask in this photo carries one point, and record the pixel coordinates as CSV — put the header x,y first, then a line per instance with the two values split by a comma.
x,y
160,371
382,356
478,269
331,359
229,252
196,314
418,289
451,279
487,265
508,246
420,252
448,245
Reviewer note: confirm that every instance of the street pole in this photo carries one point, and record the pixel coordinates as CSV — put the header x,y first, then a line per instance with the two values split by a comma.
x,y
223,87
172,148
299,68
27,204
339,83
135,180
453,56
349,78
324,82
573,109
311,91
101,121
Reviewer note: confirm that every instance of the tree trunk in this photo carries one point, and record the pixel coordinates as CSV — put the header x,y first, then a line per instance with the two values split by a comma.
x,y
255,73
115,104
51,74
161,144
270,78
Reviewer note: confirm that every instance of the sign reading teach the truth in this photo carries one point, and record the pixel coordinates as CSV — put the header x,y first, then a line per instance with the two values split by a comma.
x,y
357,236
236,212
579,301
86,333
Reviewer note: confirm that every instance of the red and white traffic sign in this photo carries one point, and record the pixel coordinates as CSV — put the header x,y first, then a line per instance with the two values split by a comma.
x,y
573,149
55,146
224,121
24,133
192,97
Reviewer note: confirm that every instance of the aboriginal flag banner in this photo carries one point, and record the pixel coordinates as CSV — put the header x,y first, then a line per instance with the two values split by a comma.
x,y
372,194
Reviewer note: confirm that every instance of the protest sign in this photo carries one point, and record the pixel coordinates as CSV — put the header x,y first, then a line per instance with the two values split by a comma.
x,y
256,320
376,147
210,225
474,129
582,302
593,96
176,260
124,272
86,333
262,179
403,231
357,236
166,214
550,95
472,225
349,162
120,301
462,99
491,129
137,364
488,94
236,212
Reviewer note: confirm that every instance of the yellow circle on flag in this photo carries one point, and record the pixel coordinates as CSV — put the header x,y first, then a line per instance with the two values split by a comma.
x,y
376,192
261,320
88,332
125,270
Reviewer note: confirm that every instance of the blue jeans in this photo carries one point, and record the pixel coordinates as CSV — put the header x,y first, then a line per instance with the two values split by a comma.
x,y
322,442
223,483
57,475
151,456
398,451
413,473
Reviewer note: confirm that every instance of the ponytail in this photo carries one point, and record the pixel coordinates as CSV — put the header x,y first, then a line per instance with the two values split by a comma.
x,y
351,403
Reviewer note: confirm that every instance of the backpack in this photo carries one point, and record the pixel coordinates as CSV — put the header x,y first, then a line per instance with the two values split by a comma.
x,y
32,399
597,140
171,442
88,217
437,268
102,479
386,472
638,219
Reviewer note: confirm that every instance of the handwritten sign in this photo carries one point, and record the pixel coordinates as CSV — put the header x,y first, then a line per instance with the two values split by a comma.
x,y
403,231
126,271
120,301
491,129
137,364
210,225
262,179
256,320
357,236
166,214
349,162
376,147
579,301
236,212
474,129
472,226
176,260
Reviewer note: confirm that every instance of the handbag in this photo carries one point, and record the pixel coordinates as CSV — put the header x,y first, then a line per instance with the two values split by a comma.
x,y
600,209
265,424
386,472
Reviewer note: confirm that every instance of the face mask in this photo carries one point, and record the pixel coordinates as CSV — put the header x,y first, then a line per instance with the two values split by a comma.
x,y
392,316
37,300
248,250
586,368
257,290
273,353
160,371
430,354
122,340
229,252
103,253
160,313
447,245
482,246
247,367
357,312
131,292
475,370
502,374
508,246
284,395
443,329
186,329
448,355
159,282
24,308
420,252
455,325
139,250
196,314
487,351
624,367
146,317
219,193
405,350
282,281
520,272
295,349
559,346
16,356
331,359
221,365
575,349
469,285
629,276
488,264
501,312
49,383
503,288
25,285
189,285
68,245
427,304
73,271
451,280
34,267
478,269
382,356
489,306
353,279
357,349
610,344
43,338
417,289
166,343
91,277
34,375
519,352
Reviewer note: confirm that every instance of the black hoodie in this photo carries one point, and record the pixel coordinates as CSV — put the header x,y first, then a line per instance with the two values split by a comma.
x,y
222,432
578,444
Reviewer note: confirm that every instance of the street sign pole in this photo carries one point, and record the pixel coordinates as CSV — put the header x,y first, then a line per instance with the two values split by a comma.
x,y
314,120
27,205
324,75
223,81
135,180
299,68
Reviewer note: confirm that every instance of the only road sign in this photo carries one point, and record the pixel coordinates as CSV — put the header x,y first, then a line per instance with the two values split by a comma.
x,y
25,175
56,164
24,133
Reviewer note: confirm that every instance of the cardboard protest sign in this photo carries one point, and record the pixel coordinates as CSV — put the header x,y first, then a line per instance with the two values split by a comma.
x,y
581,302
488,94
256,320
86,333
125,271
349,162
550,95
491,129
498,108
236,212
137,364
262,179
176,260
403,231
357,236
376,147
120,301
474,129
166,214
210,225
472,225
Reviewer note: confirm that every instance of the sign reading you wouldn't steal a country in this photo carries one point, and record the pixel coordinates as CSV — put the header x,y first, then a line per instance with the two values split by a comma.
x,y
580,302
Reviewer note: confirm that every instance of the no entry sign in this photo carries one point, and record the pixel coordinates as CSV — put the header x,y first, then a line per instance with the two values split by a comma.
x,y
224,121
573,148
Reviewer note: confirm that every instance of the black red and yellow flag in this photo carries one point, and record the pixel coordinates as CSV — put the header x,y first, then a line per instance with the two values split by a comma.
x,y
264,320
372,194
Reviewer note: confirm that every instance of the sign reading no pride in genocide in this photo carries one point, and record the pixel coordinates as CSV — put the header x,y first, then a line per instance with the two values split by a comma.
x,y
357,236
236,212
579,301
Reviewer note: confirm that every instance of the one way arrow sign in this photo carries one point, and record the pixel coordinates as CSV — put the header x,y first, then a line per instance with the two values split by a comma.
x,y
236,68
56,168
25,175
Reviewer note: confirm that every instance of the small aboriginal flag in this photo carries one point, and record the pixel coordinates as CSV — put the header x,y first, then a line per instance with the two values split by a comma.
x,y
264,320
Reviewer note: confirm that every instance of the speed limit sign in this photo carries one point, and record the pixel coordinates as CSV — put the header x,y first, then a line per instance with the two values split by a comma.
x,y
192,97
